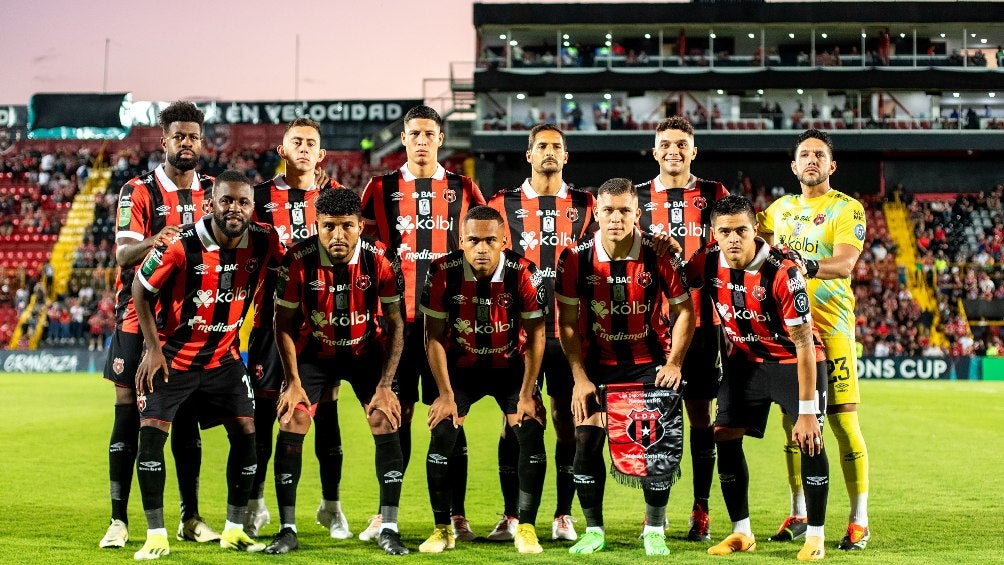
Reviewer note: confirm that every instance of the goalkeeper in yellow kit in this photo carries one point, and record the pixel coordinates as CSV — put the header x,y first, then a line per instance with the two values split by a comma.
x,y
827,228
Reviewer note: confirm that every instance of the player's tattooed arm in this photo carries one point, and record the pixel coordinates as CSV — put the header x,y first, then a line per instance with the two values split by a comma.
x,y
801,335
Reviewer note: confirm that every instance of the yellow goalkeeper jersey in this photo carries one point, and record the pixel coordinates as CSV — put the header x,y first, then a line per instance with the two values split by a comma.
x,y
813,227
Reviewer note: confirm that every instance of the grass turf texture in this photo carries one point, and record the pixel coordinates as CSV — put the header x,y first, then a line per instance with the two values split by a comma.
x,y
935,451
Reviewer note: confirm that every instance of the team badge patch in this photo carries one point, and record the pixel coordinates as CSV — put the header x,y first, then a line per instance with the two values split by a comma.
x,y
118,365
363,282
505,300
644,279
819,219
572,214
252,265
802,302
700,202
141,402
643,427
450,195
759,293
859,232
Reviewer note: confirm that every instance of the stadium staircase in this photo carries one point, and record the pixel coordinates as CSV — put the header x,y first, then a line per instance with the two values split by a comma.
x,y
71,236
901,231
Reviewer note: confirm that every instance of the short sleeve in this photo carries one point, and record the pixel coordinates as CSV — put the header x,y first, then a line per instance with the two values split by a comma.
x,y
765,219
850,226
289,283
161,264
566,285
791,294
390,279
533,292
432,292
133,220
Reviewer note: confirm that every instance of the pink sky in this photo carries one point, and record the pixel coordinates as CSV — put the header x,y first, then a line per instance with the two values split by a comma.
x,y
243,50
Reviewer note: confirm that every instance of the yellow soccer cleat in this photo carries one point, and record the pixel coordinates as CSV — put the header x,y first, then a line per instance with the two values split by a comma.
x,y
154,548
441,538
812,550
525,539
735,543
238,540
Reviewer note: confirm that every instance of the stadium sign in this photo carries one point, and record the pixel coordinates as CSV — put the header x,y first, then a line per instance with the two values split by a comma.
x,y
926,368
11,116
281,112
52,361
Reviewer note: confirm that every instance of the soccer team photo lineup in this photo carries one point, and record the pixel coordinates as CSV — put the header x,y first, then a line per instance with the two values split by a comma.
x,y
621,311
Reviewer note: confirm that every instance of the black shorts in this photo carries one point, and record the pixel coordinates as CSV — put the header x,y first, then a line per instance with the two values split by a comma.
x,y
471,385
748,390
264,363
413,370
124,355
217,394
611,374
556,371
318,374
702,366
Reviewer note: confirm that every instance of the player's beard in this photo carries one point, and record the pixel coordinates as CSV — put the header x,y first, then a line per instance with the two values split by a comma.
x,y
807,181
182,163
221,222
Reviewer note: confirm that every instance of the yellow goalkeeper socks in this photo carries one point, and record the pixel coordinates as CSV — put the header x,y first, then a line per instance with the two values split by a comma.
x,y
853,461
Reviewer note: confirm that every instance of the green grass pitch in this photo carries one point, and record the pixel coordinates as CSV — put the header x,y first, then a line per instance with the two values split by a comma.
x,y
937,454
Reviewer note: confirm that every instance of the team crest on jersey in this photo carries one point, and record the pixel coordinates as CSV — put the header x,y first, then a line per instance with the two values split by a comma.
x,y
259,372
644,279
594,279
759,293
363,282
859,232
396,196
252,265
802,302
450,195
522,213
700,202
819,219
572,214
643,427
141,402
118,365
505,300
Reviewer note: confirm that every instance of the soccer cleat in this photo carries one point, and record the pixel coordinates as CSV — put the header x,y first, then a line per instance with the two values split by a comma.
x,y
116,536
812,550
857,537
283,542
441,538
700,525
462,528
238,540
505,529
335,521
373,529
793,528
525,539
562,528
257,516
655,543
154,548
735,543
390,542
589,542
195,529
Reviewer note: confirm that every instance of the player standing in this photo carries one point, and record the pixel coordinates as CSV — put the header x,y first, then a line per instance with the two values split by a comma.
x,y
151,207
484,332
827,228
777,357
287,203
678,204
610,289
335,282
203,280
415,211
543,216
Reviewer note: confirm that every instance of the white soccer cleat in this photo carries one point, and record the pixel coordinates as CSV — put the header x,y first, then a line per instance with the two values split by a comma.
x,y
335,521
505,529
562,528
116,536
257,516
373,529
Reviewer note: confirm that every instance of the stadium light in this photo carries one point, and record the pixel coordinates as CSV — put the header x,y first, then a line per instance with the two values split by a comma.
x,y
502,36
514,43
799,91
972,35
713,36
791,36
866,35
902,35
608,44
983,40
568,96
751,35
648,36
942,36
991,94
720,91
609,36
955,95
565,36
607,96
823,35
520,96
759,91
566,44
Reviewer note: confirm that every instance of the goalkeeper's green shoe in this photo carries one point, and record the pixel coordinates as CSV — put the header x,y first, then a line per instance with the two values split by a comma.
x,y
655,543
590,542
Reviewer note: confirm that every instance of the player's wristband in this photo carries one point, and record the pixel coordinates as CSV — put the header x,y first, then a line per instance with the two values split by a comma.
x,y
811,268
807,407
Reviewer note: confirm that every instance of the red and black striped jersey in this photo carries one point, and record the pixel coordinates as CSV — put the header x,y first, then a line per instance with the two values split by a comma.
x,y
291,212
483,317
685,214
418,220
619,301
204,291
757,304
540,227
338,301
148,204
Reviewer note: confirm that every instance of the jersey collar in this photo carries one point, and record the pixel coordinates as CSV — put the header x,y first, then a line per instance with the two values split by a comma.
x,y
496,277
168,185
633,255
659,187
326,259
531,193
761,255
205,232
280,183
408,177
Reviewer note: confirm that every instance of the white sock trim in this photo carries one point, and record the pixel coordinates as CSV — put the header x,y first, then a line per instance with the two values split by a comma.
x,y
742,527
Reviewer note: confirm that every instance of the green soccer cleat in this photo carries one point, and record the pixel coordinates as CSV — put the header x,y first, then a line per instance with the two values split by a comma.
x,y
154,548
589,542
655,543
